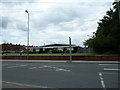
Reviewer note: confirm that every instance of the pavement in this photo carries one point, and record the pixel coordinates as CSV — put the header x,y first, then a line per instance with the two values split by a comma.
x,y
64,61
30,74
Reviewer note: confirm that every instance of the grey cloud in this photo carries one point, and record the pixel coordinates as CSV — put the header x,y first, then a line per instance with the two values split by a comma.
x,y
22,26
5,21
9,3
14,1
57,16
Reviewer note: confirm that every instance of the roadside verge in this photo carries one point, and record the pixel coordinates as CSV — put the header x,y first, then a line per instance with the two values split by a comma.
x,y
63,61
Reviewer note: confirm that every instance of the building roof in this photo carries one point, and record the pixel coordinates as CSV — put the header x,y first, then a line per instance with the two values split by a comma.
x,y
52,45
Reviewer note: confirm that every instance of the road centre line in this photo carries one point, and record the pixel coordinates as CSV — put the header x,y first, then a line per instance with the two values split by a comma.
x,y
16,66
102,80
111,69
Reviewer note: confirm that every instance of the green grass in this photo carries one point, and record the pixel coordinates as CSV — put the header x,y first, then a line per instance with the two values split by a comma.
x,y
61,55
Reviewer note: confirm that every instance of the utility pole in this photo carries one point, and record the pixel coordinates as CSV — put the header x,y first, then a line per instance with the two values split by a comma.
x,y
70,49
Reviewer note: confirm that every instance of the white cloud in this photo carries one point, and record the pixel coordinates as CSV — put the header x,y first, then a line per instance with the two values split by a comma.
x,y
51,21
56,1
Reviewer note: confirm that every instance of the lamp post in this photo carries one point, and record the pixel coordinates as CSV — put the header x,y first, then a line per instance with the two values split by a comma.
x,y
27,36
118,3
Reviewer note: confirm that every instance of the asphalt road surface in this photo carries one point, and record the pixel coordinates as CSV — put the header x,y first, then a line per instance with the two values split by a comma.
x,y
59,75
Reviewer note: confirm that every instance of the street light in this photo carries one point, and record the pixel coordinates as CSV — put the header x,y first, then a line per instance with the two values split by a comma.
x,y
118,1
27,36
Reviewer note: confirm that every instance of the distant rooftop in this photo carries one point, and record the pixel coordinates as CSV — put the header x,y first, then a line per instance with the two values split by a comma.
x,y
58,45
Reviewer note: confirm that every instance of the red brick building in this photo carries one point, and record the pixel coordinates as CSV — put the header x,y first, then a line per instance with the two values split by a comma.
x,y
15,48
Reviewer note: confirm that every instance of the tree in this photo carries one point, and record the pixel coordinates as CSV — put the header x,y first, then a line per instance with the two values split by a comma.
x,y
40,50
107,37
64,49
34,50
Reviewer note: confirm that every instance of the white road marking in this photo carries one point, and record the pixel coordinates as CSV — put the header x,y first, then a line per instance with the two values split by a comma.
x,y
5,64
102,80
62,70
111,69
42,67
107,64
17,66
32,67
24,85
56,68
108,73
38,67
9,64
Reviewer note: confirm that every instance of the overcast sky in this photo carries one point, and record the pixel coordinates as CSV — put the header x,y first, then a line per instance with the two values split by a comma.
x,y
51,21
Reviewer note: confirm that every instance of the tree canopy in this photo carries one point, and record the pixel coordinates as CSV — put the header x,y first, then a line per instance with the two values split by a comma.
x,y
106,39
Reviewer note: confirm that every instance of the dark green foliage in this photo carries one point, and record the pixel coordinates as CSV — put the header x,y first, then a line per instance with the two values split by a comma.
x,y
34,50
27,51
67,51
40,50
64,49
56,51
75,49
107,37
